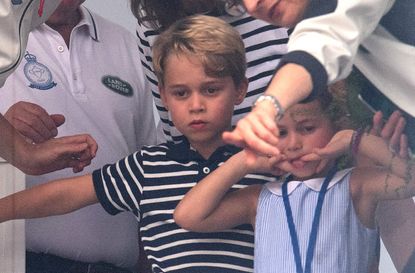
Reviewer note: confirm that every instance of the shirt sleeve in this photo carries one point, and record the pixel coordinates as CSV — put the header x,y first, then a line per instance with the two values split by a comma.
x,y
118,186
146,37
332,39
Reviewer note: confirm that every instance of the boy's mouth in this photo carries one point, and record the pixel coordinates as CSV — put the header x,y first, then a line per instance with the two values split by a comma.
x,y
197,124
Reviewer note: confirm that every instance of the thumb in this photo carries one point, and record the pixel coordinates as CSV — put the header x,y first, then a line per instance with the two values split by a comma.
x,y
58,119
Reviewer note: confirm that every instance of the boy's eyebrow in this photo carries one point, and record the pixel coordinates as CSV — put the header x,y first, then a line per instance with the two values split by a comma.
x,y
176,85
212,81
202,83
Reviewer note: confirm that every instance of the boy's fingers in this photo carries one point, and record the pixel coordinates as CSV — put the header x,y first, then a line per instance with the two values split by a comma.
x,y
234,138
255,143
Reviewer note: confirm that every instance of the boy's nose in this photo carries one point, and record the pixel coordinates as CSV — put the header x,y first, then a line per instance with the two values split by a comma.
x,y
196,103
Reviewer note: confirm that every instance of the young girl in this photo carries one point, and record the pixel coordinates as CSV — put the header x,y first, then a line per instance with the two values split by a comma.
x,y
317,219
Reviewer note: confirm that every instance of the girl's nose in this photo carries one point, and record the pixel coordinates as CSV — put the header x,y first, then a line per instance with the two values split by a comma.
x,y
294,142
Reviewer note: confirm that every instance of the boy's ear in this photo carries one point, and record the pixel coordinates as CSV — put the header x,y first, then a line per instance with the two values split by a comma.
x,y
242,89
163,96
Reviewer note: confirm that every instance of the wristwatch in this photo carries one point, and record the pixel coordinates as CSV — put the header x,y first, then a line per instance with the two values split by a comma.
x,y
275,102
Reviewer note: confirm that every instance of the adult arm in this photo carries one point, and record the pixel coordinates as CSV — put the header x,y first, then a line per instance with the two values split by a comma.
x,y
53,198
321,51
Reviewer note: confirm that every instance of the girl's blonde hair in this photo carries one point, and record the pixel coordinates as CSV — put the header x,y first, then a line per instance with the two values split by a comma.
x,y
214,42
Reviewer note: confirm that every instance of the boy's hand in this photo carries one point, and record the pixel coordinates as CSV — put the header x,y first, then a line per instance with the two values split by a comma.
x,y
75,152
33,122
257,131
263,164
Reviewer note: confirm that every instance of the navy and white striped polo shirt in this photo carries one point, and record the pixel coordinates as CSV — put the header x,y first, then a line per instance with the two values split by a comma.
x,y
150,183
265,44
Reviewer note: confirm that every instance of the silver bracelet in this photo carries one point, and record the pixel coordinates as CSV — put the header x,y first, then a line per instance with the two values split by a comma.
x,y
275,102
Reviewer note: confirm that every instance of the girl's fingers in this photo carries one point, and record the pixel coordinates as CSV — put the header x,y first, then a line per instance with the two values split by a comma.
x,y
403,147
377,123
395,139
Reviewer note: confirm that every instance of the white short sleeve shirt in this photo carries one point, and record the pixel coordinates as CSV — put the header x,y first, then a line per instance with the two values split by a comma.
x,y
99,85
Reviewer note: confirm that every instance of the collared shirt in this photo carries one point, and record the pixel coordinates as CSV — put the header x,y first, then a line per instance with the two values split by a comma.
x,y
352,35
343,243
264,45
99,85
150,183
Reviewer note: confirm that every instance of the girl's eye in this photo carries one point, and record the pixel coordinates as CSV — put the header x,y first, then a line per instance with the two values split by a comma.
x,y
283,133
308,129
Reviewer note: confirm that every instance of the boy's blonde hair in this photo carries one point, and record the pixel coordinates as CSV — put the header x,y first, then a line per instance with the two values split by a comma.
x,y
214,42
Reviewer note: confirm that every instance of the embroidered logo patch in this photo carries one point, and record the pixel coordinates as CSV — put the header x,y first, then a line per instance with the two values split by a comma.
x,y
16,2
117,85
38,74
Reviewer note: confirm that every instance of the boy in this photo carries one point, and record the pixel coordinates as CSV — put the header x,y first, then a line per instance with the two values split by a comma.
x,y
292,224
200,64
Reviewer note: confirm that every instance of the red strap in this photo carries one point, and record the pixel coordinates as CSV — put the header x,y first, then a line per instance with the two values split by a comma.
x,y
40,10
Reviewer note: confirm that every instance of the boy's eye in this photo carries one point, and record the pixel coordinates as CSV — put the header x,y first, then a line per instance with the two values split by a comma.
x,y
180,93
211,90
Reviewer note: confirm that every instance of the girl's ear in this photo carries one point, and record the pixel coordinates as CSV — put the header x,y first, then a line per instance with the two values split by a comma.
x,y
241,89
163,96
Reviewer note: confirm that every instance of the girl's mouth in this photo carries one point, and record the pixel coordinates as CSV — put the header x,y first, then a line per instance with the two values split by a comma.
x,y
297,163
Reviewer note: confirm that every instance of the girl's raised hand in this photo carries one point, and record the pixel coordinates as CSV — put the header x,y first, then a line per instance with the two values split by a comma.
x,y
338,145
392,131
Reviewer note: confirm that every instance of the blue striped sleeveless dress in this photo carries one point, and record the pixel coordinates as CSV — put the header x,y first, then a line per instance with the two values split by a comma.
x,y
343,244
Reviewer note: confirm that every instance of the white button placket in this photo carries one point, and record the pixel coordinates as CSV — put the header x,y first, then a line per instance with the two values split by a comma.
x,y
78,85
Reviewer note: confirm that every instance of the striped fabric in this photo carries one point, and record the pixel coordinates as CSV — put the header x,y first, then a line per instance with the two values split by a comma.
x,y
343,244
150,183
264,44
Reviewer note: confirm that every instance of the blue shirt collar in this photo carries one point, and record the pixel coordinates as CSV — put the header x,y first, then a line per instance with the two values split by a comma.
x,y
183,152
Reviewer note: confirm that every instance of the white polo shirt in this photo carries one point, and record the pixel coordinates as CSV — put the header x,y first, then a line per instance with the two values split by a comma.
x,y
99,85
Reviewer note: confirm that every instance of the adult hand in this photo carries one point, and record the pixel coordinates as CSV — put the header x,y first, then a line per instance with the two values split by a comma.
x,y
33,122
257,131
75,152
